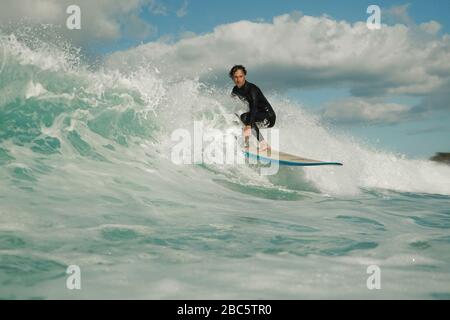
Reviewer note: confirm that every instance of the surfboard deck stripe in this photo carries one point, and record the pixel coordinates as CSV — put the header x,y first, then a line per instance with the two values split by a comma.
x,y
286,159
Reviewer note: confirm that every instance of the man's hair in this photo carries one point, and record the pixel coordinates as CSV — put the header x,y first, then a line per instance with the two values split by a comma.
x,y
236,68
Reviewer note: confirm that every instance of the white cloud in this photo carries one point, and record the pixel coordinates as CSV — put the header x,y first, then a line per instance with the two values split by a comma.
x,y
36,11
187,35
183,9
303,51
158,8
353,110
431,27
103,20
399,14
137,28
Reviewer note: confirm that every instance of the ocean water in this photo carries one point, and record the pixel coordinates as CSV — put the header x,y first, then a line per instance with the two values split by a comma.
x,y
86,179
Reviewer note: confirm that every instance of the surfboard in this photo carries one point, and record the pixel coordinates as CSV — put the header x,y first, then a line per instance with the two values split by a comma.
x,y
284,159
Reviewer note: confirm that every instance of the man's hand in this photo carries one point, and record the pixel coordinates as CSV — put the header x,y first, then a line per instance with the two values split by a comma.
x,y
247,131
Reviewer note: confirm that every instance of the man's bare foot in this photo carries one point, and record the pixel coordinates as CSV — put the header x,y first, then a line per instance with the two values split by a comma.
x,y
263,146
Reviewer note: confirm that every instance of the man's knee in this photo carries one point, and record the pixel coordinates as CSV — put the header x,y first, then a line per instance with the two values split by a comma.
x,y
268,122
245,118
272,121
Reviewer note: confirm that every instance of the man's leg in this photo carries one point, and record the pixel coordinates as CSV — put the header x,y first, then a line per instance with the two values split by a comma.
x,y
245,117
267,121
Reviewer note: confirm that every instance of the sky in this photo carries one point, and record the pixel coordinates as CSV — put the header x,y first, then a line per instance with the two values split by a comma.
x,y
388,87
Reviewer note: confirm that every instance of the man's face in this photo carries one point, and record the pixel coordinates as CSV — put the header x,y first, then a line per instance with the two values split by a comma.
x,y
239,78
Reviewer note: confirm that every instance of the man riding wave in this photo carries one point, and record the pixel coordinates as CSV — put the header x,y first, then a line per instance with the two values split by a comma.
x,y
261,114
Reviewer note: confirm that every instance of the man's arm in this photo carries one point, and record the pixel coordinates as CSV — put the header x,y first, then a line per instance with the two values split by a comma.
x,y
233,93
254,94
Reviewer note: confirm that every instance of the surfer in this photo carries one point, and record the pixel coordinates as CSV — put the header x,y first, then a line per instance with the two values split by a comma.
x,y
261,114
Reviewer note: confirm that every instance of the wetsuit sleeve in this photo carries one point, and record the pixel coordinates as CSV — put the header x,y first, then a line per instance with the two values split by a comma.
x,y
254,94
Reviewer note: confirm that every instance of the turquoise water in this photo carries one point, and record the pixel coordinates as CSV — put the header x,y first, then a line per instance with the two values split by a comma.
x,y
86,179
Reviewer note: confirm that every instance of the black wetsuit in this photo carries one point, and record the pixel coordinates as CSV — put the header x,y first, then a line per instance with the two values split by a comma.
x,y
261,111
